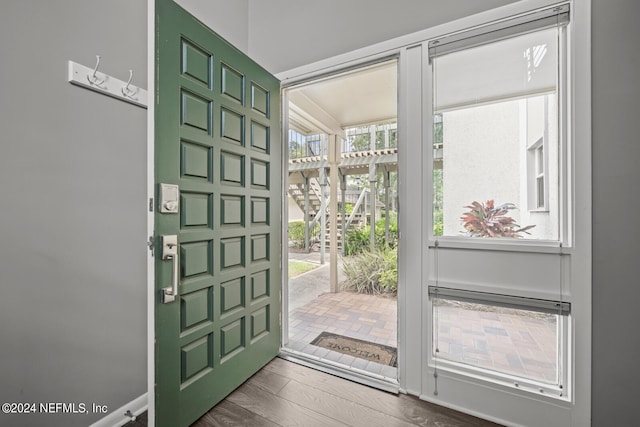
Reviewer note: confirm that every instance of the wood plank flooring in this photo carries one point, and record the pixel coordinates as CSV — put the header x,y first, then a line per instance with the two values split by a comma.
x,y
286,394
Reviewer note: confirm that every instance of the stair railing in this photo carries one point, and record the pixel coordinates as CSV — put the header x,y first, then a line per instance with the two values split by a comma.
x,y
356,207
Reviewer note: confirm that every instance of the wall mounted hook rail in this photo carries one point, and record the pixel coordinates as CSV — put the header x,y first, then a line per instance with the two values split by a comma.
x,y
128,91
91,78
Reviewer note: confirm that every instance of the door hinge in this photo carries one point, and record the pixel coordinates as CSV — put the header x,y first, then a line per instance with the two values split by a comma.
x,y
151,204
150,244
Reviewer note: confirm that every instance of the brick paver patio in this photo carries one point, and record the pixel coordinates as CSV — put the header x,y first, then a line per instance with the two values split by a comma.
x,y
510,341
366,317
502,340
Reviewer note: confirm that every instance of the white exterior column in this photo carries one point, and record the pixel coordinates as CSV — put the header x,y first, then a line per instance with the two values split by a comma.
x,y
323,213
373,178
307,246
334,180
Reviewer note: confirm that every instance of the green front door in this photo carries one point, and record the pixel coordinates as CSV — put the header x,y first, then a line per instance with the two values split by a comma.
x,y
217,138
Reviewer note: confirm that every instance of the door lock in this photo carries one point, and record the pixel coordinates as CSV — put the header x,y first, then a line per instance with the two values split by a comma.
x,y
168,200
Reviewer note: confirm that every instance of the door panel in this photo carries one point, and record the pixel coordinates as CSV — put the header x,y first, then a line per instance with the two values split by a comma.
x,y
218,141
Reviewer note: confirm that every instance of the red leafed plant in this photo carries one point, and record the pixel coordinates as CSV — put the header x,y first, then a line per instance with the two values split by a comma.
x,y
487,220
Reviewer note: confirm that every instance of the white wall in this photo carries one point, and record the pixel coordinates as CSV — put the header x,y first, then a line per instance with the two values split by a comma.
x,y
295,213
72,211
285,34
228,18
616,199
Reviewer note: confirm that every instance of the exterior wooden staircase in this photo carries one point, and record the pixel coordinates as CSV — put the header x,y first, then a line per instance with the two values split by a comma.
x,y
296,191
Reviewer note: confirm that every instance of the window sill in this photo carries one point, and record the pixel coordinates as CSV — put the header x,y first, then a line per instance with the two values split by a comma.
x,y
464,372
499,244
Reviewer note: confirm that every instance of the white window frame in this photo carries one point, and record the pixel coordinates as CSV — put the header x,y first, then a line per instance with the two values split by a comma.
x,y
574,235
565,224
560,246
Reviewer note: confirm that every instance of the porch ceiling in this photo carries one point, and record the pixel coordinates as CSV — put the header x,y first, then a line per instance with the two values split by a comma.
x,y
364,96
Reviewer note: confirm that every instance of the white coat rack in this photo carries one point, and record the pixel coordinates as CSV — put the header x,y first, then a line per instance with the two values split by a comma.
x,y
95,80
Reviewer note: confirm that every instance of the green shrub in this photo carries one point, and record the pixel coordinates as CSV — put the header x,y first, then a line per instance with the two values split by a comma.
x,y
357,240
348,208
372,272
438,222
381,243
296,233
389,276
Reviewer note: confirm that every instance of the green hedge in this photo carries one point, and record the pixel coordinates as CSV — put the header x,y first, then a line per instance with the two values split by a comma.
x,y
357,240
296,233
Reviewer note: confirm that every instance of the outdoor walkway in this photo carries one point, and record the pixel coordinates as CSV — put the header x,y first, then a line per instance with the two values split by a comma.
x,y
313,310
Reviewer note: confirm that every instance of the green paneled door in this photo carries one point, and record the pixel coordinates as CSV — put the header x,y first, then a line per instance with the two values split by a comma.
x,y
217,136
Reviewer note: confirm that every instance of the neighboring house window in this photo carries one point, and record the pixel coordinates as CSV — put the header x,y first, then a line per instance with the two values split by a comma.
x,y
537,166
540,193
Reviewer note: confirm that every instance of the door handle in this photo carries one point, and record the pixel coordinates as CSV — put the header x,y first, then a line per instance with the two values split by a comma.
x,y
170,252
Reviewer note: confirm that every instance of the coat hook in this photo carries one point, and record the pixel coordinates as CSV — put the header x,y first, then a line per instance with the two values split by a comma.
x,y
93,78
126,92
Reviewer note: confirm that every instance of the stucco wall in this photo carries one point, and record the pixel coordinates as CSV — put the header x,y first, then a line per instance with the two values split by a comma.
x,y
481,159
486,150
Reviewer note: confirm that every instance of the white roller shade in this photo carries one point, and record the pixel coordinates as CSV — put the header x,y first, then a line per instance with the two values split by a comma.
x,y
545,18
517,61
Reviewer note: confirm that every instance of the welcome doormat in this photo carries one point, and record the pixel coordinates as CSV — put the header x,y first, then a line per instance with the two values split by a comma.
x,y
361,349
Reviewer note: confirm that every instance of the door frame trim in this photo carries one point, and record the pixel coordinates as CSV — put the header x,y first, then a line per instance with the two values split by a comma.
x,y
151,294
352,61
329,367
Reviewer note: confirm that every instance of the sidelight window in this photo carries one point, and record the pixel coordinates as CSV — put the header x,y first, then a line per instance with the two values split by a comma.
x,y
498,143
499,172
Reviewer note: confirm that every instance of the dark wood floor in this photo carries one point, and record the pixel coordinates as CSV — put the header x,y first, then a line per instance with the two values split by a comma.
x,y
287,394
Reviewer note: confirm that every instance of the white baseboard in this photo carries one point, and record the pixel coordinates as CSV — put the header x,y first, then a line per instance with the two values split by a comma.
x,y
117,418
